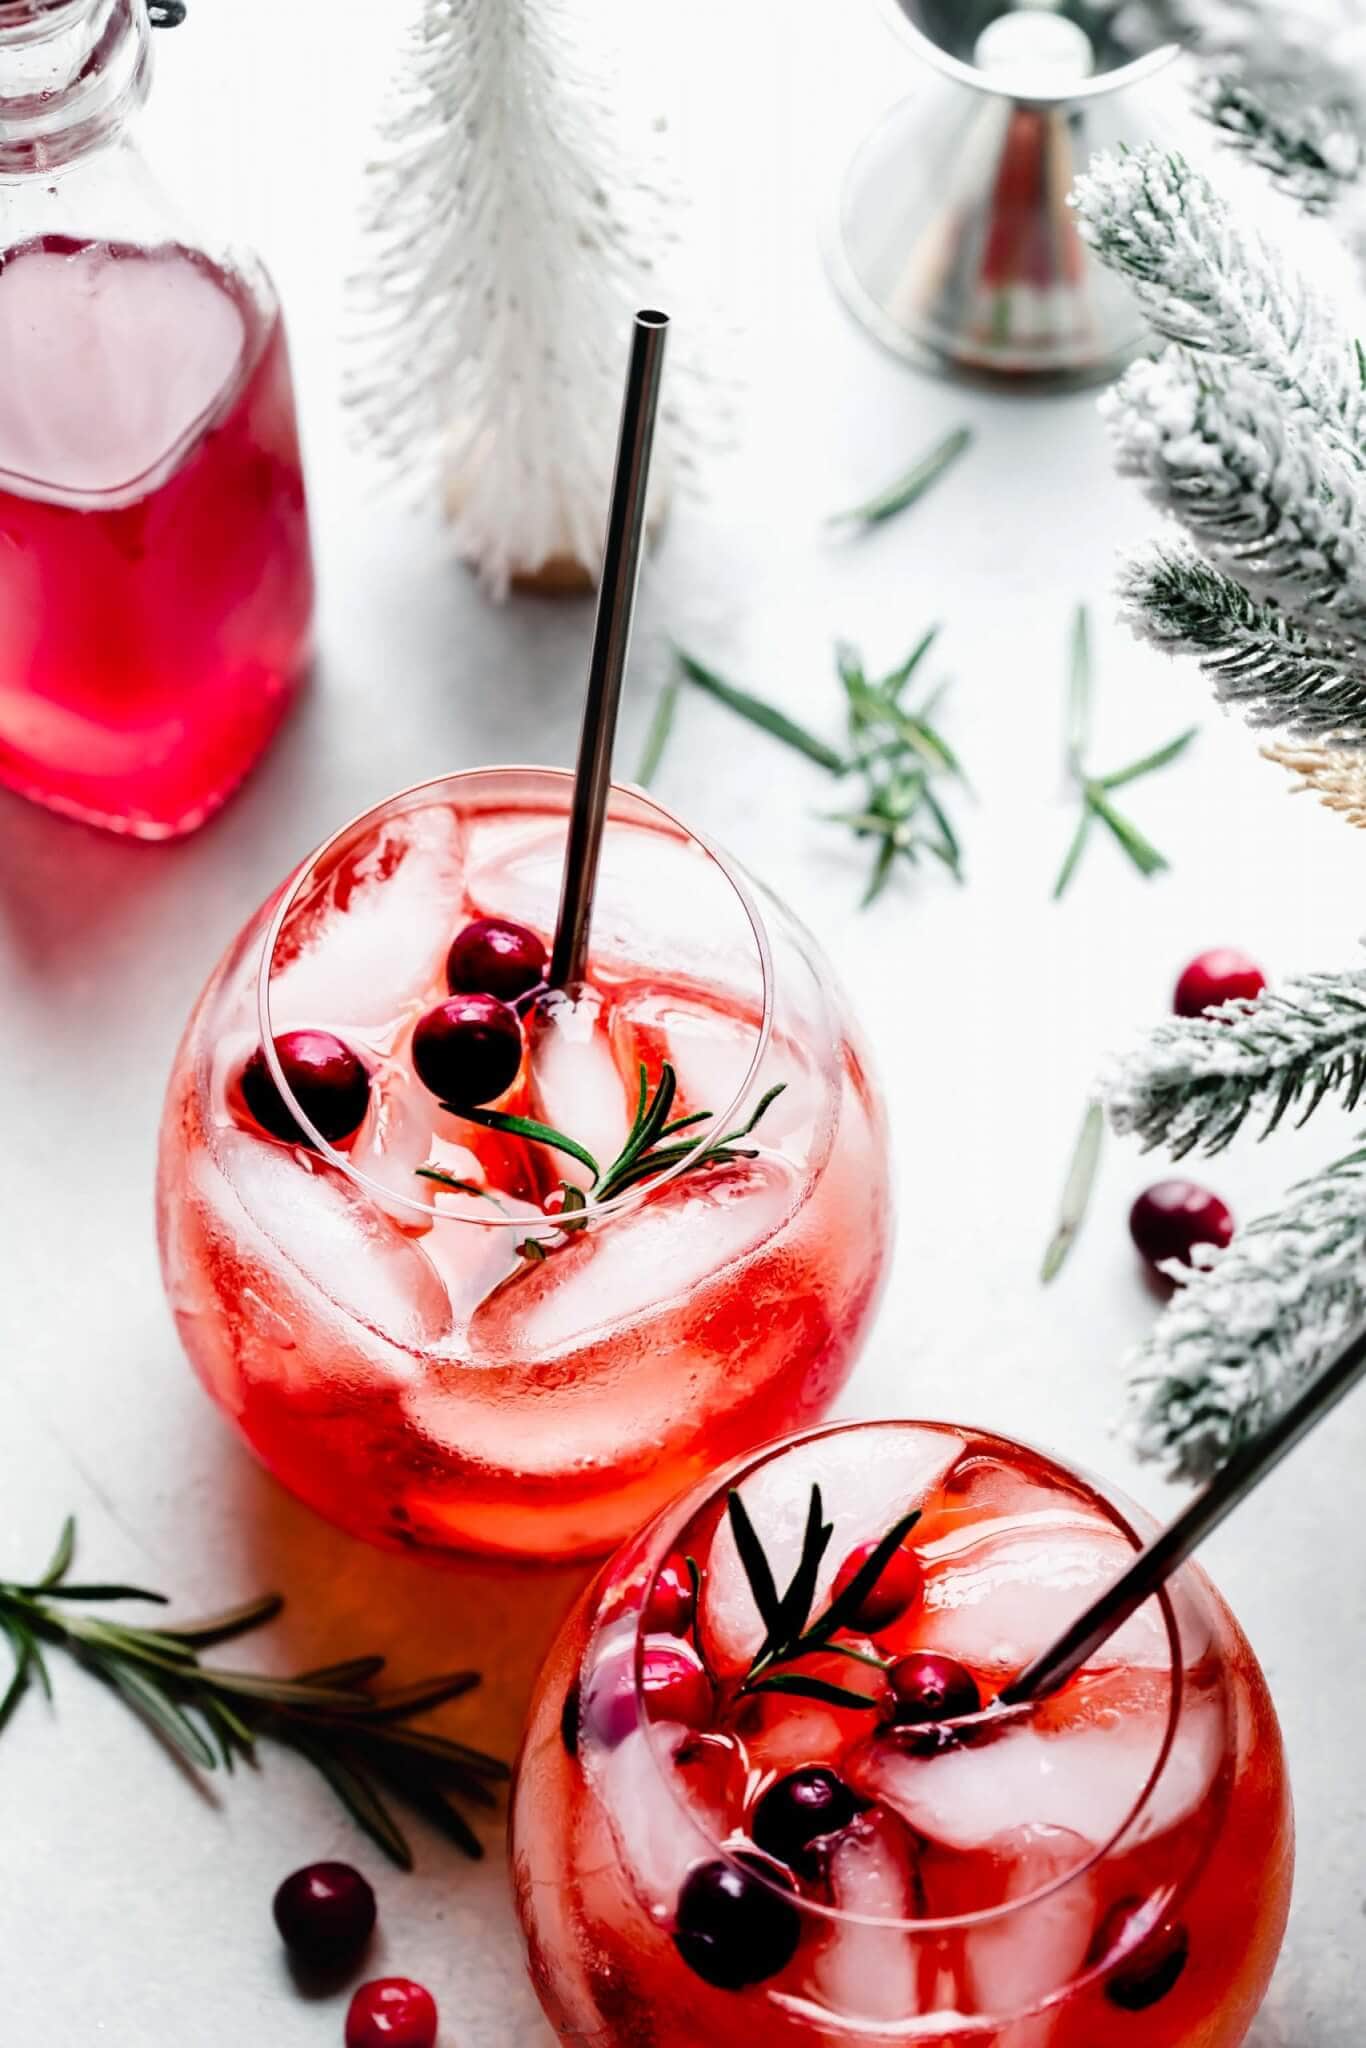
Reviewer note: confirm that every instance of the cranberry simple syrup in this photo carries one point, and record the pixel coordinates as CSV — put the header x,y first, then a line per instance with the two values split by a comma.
x,y
156,583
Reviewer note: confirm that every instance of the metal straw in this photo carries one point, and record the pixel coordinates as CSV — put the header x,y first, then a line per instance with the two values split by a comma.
x,y
611,641
1246,1469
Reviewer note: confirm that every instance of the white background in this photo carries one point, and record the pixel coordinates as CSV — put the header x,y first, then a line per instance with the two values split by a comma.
x,y
134,1910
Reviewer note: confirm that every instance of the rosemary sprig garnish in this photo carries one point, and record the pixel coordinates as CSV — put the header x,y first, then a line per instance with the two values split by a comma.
x,y
1076,1193
910,488
653,1145
359,1740
789,1632
1096,790
897,750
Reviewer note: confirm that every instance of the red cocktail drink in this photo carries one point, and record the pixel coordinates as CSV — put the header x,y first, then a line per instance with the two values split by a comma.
x,y
476,1266
766,1795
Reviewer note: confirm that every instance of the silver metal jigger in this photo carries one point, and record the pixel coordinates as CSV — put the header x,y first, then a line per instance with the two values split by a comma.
x,y
954,241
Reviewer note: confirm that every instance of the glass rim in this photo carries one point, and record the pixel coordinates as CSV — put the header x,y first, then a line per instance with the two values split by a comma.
x,y
412,798
1097,86
664,1540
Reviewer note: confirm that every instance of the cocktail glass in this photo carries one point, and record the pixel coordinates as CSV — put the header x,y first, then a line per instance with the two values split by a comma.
x,y
712,1842
495,1361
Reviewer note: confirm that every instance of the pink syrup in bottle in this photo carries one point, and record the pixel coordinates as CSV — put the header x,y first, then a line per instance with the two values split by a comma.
x,y
156,581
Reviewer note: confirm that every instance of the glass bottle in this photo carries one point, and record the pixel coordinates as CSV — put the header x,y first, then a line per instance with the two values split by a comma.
x,y
156,580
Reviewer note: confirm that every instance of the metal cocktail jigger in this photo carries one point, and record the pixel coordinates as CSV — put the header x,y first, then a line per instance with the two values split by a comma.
x,y
954,241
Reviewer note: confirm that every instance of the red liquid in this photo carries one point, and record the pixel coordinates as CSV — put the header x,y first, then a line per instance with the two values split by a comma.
x,y
156,583
1087,1873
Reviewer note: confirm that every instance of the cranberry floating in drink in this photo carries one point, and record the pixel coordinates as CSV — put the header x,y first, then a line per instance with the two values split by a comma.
x,y
499,1271
156,583
860,1845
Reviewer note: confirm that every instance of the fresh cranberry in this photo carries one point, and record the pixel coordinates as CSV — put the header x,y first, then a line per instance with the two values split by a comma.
x,y
325,1913
673,1682
392,2012
1170,1219
1221,976
734,1926
799,1812
669,1609
928,1687
494,957
1153,1969
468,1050
329,1083
893,1593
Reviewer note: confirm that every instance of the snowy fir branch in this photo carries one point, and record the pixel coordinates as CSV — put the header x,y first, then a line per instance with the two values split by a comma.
x,y
1249,432
1242,1336
1276,672
1281,83
1195,1081
1313,148
1215,286
1259,489
512,224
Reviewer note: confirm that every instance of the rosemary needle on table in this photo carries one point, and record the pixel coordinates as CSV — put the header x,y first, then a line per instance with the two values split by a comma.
x,y
358,1738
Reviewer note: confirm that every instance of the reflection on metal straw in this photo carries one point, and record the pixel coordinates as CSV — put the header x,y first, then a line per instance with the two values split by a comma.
x,y
1152,1567
611,641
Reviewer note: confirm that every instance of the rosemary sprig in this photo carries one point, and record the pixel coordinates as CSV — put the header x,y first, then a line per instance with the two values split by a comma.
x,y
652,1146
898,751
908,489
359,1740
789,1632
1096,790
1076,1194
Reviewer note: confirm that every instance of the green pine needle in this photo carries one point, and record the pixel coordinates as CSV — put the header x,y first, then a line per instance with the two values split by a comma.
x,y
661,728
909,489
1076,1194
1095,790
766,716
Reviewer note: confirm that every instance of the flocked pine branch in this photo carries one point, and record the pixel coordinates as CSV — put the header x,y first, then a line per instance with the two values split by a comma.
x,y
1195,1081
1215,285
1263,493
512,226
1240,1338
1276,672
1249,433
1281,82
1312,147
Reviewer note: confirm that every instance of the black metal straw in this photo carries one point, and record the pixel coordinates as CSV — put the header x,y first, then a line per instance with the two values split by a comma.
x,y
1245,1470
611,641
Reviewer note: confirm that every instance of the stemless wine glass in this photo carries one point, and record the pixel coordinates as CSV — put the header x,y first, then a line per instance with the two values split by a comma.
x,y
439,1326
739,1821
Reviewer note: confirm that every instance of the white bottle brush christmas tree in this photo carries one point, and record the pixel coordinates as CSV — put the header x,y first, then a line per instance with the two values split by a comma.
x,y
1250,432
515,217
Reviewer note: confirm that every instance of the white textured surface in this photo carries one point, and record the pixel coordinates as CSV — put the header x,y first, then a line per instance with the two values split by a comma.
x,y
135,1914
